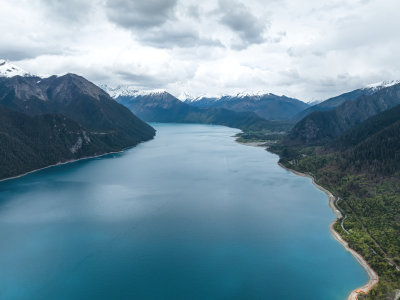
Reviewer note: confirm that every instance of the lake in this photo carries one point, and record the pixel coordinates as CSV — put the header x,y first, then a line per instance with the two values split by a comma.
x,y
189,215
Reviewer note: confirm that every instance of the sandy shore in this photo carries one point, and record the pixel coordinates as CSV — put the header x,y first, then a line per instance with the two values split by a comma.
x,y
253,144
373,276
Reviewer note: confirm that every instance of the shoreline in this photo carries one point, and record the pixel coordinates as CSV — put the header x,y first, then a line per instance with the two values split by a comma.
x,y
67,162
373,276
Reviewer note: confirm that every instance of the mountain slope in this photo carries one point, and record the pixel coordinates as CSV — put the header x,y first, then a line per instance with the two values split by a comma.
x,y
267,106
32,142
78,99
324,126
163,107
332,103
373,145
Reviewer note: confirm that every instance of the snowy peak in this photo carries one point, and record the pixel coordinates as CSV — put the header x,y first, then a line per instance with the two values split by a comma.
x,y
241,95
382,84
188,98
9,70
252,94
127,90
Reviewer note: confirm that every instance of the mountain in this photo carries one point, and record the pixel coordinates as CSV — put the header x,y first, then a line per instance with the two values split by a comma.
x,y
7,69
334,102
45,121
160,106
321,127
128,90
267,106
78,99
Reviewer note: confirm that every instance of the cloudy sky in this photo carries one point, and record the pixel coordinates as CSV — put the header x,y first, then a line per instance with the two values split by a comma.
x,y
310,49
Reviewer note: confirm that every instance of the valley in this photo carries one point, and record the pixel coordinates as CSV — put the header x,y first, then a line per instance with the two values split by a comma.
x,y
348,144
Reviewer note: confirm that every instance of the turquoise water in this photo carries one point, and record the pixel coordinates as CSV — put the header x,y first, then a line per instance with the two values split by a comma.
x,y
189,215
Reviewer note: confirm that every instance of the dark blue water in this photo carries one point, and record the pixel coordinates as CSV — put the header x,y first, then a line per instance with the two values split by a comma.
x,y
189,215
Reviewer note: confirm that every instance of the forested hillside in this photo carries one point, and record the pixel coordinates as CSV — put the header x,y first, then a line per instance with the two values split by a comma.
x,y
32,142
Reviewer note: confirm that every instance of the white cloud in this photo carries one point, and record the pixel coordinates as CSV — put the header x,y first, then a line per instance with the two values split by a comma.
x,y
309,50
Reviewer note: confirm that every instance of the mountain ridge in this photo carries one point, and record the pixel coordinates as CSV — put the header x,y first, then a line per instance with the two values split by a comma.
x,y
323,126
333,102
267,106
164,107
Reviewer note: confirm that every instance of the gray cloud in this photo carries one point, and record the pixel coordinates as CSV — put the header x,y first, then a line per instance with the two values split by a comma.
x,y
146,81
155,24
75,11
20,51
142,80
239,18
193,11
172,36
138,14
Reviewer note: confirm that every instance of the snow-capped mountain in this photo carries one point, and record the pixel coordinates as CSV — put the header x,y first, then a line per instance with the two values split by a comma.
x,y
7,69
265,105
128,90
191,99
382,84
244,94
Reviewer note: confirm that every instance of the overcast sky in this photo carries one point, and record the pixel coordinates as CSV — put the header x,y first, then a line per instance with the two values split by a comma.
x,y
309,50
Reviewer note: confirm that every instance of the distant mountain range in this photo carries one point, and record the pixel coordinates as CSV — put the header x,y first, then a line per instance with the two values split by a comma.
x,y
49,120
160,106
265,105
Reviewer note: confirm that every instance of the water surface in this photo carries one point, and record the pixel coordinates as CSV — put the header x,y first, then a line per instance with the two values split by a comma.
x,y
189,215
